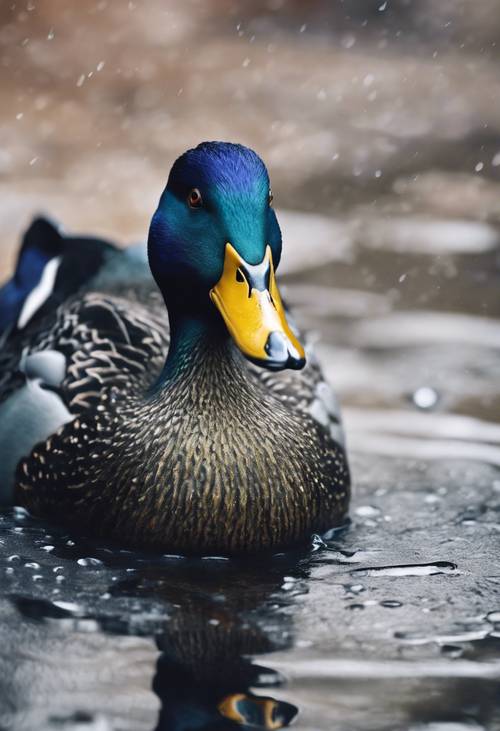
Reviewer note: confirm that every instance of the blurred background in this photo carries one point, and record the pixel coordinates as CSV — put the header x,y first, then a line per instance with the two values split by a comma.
x,y
380,124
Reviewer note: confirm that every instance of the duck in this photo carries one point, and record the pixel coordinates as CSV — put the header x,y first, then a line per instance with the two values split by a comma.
x,y
160,396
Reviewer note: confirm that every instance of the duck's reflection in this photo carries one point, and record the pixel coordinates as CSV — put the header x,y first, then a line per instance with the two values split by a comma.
x,y
221,616
67,658
222,703
140,642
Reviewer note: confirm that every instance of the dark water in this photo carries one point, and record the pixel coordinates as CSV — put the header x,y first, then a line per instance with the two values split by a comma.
x,y
380,124
393,622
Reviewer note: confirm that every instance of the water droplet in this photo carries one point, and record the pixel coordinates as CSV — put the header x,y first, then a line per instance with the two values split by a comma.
x,y
452,650
425,397
367,511
317,542
354,588
71,607
32,565
48,549
14,558
89,561
303,643
215,558
391,604
493,617
431,499
471,514
348,40
20,513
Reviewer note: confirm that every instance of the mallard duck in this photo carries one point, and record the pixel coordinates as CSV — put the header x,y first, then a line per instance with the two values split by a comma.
x,y
202,432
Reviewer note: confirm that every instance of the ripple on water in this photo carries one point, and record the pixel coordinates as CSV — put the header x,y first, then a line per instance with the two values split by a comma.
x,y
448,726
450,637
402,570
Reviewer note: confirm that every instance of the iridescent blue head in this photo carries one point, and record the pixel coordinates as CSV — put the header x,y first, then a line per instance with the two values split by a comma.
x,y
214,244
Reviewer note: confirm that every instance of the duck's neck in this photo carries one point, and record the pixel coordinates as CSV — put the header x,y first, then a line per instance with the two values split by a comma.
x,y
194,338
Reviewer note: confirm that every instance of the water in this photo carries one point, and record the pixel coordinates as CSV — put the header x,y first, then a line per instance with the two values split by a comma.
x,y
381,129
359,626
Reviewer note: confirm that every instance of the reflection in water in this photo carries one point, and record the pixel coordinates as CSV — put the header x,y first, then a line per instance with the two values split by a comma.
x,y
224,701
96,639
211,618
257,711
221,616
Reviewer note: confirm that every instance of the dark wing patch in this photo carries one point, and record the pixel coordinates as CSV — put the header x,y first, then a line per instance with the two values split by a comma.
x,y
110,341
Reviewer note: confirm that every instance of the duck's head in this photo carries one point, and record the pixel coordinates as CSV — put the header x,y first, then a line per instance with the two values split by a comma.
x,y
214,247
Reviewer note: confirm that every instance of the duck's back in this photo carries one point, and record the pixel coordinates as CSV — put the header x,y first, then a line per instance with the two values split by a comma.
x,y
78,315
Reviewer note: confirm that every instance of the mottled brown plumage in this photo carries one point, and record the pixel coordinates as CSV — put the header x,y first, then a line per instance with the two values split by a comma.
x,y
225,458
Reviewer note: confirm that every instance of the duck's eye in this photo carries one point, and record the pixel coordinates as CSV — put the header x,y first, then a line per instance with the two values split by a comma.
x,y
270,197
194,198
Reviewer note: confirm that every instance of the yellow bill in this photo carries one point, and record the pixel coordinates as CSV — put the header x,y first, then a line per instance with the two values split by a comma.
x,y
248,299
